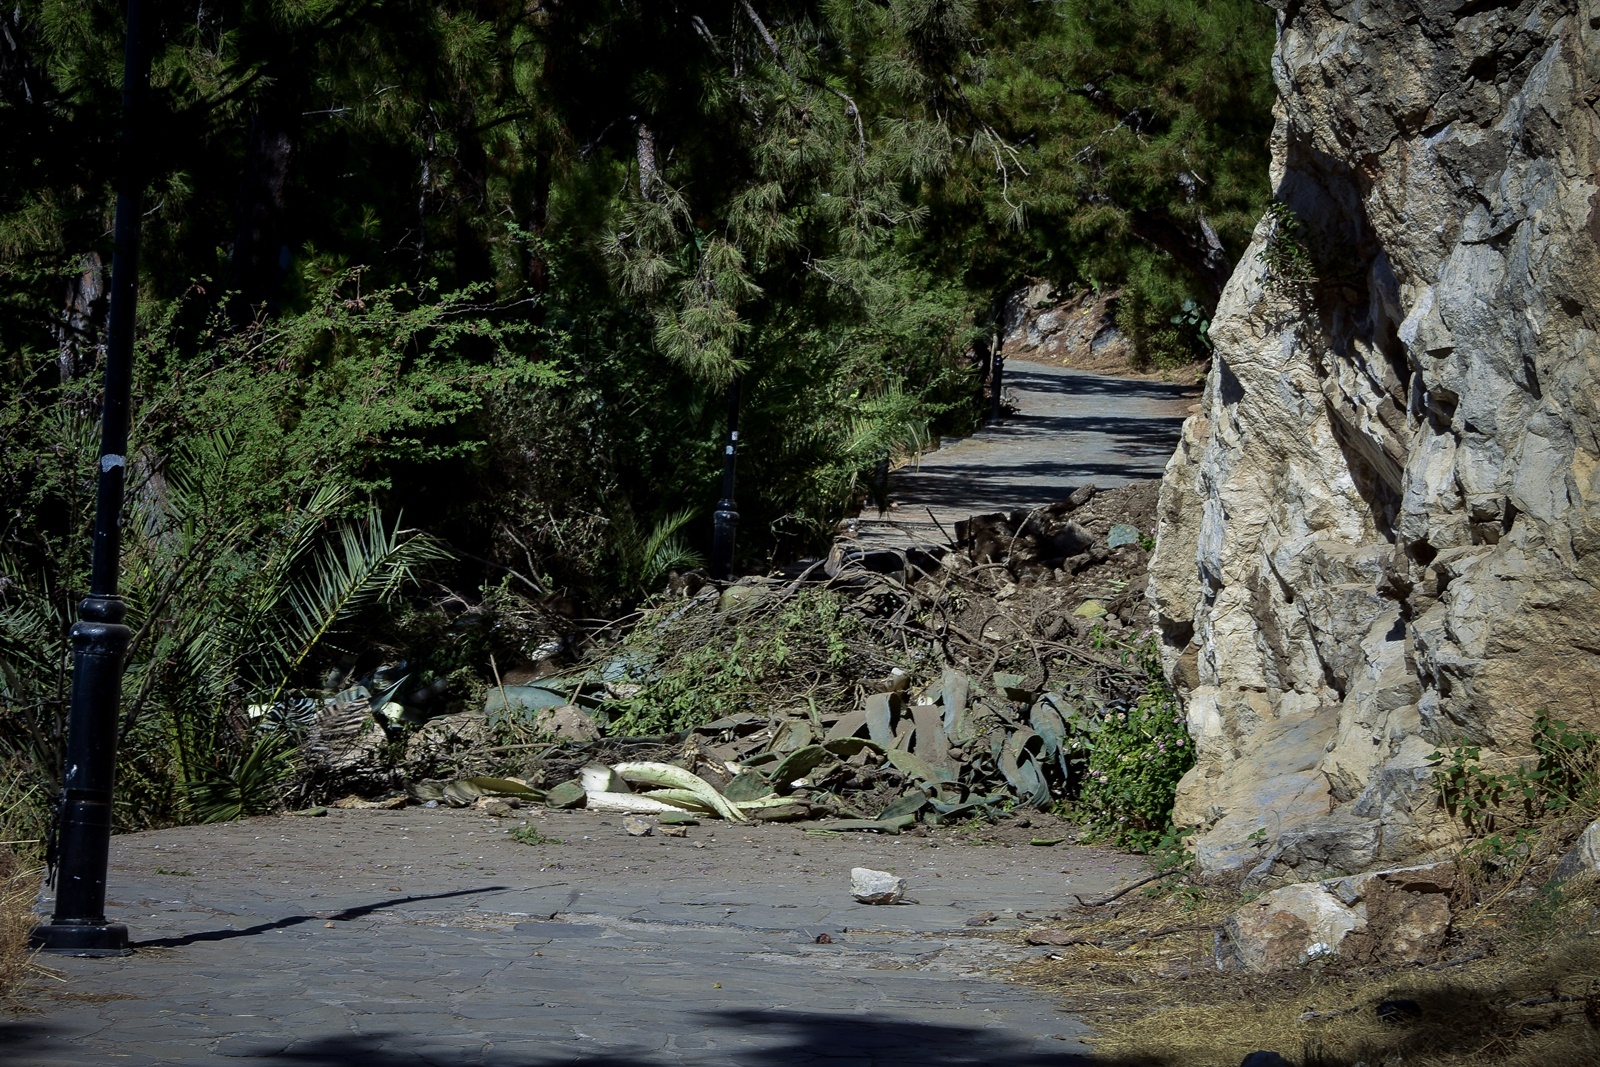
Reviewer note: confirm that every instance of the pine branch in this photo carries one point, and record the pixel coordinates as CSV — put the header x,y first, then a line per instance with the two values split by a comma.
x,y
850,108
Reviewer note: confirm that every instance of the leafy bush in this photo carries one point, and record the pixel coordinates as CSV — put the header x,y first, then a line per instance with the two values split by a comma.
x,y
1288,260
245,548
1505,808
1136,754
737,663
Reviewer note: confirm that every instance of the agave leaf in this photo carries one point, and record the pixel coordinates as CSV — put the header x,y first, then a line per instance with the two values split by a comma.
x,y
629,803
667,776
681,798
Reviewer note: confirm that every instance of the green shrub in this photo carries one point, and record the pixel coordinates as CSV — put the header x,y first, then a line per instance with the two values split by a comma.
x,y
1504,806
1167,326
1136,754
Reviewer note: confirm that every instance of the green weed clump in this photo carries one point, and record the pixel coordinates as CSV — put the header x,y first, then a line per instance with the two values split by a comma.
x,y
1136,754
532,835
1517,814
808,649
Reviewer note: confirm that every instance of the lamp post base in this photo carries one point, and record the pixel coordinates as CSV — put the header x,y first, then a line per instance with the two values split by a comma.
x,y
81,939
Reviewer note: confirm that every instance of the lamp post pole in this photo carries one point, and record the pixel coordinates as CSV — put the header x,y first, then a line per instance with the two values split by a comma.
x,y
82,837
997,368
725,521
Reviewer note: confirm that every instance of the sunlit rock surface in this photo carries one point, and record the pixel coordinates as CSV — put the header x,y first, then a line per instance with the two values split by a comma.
x,y
1381,533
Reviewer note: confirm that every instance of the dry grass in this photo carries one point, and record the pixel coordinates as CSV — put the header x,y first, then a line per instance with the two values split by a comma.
x,y
1519,984
18,884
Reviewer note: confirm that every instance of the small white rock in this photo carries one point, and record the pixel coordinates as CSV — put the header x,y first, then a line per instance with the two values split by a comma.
x,y
875,887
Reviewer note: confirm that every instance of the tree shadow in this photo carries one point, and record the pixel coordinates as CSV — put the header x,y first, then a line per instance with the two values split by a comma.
x,y
1008,486
1085,384
347,915
782,1039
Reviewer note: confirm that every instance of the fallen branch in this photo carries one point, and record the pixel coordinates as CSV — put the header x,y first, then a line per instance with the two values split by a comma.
x,y
1124,891
1470,957
1066,940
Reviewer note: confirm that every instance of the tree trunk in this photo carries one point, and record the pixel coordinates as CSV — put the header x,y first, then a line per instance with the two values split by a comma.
x,y
83,317
261,249
472,199
538,223
649,178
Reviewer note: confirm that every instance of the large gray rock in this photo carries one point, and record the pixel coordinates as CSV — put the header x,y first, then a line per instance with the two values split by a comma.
x,y
1395,916
1381,533
1037,324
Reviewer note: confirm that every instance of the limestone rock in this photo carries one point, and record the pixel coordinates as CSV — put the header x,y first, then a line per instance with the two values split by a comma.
x,y
1039,324
498,807
1288,927
1385,518
876,887
566,723
1584,859
1393,916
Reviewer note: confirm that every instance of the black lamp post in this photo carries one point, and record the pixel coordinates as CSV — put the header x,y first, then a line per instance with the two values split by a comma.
x,y
82,839
997,368
725,520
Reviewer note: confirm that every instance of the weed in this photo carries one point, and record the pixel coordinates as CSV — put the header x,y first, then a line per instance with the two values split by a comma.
x,y
1286,255
1193,318
531,835
19,883
1136,754
1506,808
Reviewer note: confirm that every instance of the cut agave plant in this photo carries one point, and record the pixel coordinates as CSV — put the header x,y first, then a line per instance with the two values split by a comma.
x,y
683,798
629,803
666,776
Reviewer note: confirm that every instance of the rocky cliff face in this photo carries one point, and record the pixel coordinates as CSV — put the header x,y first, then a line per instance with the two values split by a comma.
x,y
1381,534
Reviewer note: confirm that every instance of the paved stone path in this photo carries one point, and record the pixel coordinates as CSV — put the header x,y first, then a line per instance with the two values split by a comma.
x,y
1070,428
423,936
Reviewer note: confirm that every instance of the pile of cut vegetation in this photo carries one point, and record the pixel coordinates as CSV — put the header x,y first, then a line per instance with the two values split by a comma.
x,y
1008,668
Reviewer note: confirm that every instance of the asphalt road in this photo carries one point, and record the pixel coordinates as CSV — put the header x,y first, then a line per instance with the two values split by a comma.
x,y
430,937
1070,428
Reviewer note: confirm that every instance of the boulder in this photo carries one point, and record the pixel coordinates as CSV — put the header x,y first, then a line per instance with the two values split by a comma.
x,y
1393,916
1385,517
565,723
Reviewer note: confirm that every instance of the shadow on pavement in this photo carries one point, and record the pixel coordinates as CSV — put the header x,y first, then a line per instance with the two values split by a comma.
x,y
1086,384
1023,484
347,915
1163,427
787,1039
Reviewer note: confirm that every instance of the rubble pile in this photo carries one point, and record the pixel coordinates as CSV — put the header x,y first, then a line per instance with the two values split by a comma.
x,y
953,681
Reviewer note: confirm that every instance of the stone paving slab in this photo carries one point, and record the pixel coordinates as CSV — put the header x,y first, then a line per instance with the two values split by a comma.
x,y
599,951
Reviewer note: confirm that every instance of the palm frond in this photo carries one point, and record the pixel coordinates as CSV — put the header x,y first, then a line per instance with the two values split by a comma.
x,y
369,564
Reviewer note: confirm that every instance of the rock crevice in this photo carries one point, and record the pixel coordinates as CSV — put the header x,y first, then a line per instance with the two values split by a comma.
x,y
1381,533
